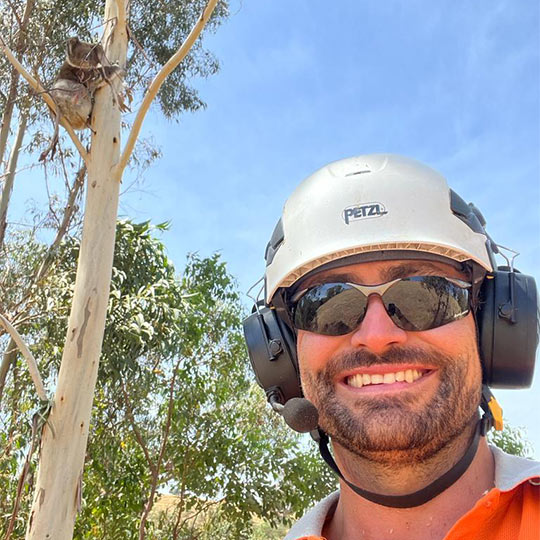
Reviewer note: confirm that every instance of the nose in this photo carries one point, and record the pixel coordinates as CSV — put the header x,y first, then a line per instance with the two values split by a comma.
x,y
377,331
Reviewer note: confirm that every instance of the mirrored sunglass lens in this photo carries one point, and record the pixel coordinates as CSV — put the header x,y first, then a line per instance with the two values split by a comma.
x,y
424,302
333,309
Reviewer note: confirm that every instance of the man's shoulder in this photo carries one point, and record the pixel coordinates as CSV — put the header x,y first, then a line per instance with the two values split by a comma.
x,y
511,471
312,522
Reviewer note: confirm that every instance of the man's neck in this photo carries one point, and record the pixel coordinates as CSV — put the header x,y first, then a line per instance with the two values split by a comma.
x,y
356,518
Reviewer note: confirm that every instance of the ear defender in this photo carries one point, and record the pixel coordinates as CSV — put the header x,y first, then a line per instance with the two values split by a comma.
x,y
508,328
272,352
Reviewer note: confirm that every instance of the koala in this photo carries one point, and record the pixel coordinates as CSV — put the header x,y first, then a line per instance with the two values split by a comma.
x,y
83,55
74,101
85,69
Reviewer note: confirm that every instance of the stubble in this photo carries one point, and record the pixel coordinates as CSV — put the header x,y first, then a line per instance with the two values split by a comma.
x,y
397,429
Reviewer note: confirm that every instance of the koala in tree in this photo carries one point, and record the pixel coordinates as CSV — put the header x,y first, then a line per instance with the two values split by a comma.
x,y
83,55
85,69
74,101
73,90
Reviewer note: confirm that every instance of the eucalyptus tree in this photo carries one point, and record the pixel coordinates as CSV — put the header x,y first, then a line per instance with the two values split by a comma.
x,y
175,408
58,487
37,32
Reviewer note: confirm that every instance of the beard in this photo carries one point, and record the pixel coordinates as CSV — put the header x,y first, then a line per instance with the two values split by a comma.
x,y
397,429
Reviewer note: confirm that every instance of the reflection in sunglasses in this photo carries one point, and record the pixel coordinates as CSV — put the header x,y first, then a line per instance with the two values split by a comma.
x,y
415,303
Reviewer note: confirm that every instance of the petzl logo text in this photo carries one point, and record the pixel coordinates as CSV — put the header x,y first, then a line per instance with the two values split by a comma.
x,y
364,211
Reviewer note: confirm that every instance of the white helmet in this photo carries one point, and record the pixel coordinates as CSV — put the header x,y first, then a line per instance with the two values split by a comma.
x,y
373,203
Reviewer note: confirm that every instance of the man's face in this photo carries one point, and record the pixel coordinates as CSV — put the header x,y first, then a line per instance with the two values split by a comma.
x,y
401,421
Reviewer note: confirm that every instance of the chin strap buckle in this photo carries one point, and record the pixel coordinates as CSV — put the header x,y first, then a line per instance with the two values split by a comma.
x,y
493,415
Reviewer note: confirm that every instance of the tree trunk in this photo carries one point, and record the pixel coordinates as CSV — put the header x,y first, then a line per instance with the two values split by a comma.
x,y
10,178
8,359
12,94
59,482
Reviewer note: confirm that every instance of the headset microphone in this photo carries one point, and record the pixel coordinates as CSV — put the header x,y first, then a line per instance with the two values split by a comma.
x,y
299,414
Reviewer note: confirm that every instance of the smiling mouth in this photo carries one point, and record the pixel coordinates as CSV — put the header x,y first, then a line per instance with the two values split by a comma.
x,y
358,380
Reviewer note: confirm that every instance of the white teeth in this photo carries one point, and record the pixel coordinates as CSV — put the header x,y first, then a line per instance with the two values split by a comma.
x,y
363,379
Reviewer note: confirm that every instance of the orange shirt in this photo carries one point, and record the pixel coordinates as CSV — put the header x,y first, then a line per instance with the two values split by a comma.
x,y
502,515
498,515
510,511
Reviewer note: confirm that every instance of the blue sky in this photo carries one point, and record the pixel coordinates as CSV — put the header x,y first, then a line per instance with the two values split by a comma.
x,y
454,84
303,83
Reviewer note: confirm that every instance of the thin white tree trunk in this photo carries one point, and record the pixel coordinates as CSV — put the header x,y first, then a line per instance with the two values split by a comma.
x,y
58,487
14,82
10,178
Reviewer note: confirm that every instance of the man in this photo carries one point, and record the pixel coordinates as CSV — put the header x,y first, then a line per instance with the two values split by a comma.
x,y
383,296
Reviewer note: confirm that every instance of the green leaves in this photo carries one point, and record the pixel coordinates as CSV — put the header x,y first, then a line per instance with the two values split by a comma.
x,y
512,440
175,409
160,28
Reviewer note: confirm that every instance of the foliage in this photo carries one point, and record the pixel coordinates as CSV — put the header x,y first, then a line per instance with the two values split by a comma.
x,y
20,262
262,530
158,27
175,409
512,440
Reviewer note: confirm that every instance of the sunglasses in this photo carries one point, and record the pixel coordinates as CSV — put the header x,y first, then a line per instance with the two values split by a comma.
x,y
413,303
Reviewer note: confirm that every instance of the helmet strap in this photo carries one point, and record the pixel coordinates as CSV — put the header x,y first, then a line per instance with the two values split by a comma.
x,y
429,492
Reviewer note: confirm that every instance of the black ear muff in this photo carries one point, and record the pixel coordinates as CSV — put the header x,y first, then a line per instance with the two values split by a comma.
x,y
272,353
508,326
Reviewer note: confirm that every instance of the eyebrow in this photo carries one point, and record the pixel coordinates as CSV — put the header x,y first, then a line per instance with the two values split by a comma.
x,y
405,270
337,278
387,274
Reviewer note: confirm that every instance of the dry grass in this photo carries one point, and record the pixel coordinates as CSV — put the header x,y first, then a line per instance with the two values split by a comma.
x,y
165,503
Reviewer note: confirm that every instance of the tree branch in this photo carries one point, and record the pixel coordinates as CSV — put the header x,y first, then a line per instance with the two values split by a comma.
x,y
15,14
152,91
8,359
69,210
34,441
155,474
178,523
136,432
46,97
10,178
14,77
32,364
